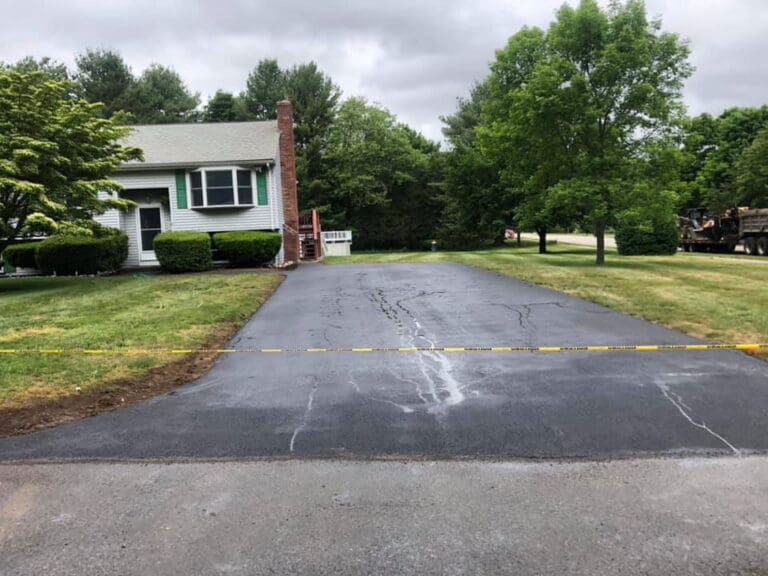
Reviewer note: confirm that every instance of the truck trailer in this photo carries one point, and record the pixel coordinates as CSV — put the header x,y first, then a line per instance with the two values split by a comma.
x,y
702,232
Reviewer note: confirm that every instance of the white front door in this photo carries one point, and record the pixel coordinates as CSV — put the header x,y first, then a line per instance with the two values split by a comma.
x,y
150,225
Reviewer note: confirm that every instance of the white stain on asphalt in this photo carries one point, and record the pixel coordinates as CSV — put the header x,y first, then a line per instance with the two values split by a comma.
x,y
305,418
402,407
442,385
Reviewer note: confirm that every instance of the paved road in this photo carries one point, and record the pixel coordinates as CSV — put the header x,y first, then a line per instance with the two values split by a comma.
x,y
650,517
610,242
582,405
578,239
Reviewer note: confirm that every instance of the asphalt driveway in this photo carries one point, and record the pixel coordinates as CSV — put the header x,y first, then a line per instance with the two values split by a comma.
x,y
590,405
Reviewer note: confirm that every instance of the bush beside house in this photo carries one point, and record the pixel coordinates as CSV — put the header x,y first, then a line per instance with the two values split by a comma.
x,y
184,251
248,248
21,255
78,255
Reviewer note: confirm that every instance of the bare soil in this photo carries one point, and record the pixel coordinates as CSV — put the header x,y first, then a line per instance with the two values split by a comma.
x,y
45,413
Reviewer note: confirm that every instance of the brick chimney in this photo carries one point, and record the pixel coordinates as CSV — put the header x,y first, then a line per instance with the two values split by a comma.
x,y
288,179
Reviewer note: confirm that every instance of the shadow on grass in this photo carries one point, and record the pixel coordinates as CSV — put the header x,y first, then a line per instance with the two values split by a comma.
x,y
41,284
564,259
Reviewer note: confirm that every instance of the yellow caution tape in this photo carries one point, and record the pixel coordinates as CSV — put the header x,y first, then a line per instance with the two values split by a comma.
x,y
545,349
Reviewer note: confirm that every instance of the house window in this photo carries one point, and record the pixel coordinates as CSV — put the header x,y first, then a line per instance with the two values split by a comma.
x,y
221,188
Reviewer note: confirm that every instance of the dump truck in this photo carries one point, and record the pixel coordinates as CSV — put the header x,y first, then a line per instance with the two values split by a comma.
x,y
701,231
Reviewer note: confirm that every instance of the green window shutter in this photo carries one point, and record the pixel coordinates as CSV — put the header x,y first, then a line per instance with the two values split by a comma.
x,y
261,187
181,189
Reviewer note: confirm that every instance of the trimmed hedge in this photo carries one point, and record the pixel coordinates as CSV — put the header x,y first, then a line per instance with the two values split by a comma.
x,y
248,248
21,255
184,251
638,235
73,255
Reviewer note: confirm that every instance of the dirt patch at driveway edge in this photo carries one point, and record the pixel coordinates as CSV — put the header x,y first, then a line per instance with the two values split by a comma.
x,y
46,413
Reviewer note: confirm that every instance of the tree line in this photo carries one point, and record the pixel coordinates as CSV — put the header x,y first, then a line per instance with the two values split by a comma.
x,y
578,125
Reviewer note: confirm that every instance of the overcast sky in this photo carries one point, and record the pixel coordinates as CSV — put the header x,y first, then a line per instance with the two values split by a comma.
x,y
412,56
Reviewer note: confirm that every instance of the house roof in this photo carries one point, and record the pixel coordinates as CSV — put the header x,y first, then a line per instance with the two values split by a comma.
x,y
185,145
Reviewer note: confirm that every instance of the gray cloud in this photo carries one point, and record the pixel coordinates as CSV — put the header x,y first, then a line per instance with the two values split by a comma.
x,y
415,58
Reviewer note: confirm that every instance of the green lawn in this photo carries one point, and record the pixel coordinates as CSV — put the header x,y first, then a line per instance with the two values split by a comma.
x,y
720,299
131,311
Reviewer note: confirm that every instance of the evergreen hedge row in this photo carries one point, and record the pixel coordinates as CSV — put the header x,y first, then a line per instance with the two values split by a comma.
x,y
248,248
21,255
77,255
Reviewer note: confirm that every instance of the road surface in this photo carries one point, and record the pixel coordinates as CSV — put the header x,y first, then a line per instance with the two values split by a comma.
x,y
648,517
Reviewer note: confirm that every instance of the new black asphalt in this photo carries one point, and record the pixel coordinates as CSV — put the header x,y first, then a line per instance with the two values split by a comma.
x,y
430,404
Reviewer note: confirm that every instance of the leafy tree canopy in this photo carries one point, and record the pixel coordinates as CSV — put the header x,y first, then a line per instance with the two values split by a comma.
x,y
751,171
573,107
56,153
224,107
51,68
381,177
160,96
103,76
265,87
721,163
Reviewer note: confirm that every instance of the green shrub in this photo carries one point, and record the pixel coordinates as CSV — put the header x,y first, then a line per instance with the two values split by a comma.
x,y
248,248
184,251
640,233
71,255
84,227
21,255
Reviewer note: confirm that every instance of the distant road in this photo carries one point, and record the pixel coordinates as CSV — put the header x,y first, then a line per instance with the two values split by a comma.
x,y
590,240
580,239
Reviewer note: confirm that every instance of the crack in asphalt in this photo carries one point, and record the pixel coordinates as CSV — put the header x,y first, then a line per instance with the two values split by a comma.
x,y
678,403
304,418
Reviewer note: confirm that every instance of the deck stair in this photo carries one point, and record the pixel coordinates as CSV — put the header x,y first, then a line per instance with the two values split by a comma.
x,y
309,234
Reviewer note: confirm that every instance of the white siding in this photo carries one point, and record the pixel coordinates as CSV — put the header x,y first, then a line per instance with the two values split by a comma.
x,y
129,227
224,219
110,218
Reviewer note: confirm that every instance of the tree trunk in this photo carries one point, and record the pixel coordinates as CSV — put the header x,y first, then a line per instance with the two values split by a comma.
x,y
519,238
542,232
600,234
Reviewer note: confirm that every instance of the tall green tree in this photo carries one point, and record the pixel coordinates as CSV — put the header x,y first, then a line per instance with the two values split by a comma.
x,y
521,133
461,126
382,178
224,107
103,76
56,153
752,172
315,100
265,87
602,84
159,96
475,210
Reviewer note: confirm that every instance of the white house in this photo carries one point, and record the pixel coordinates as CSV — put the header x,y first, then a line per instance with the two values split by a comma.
x,y
209,177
